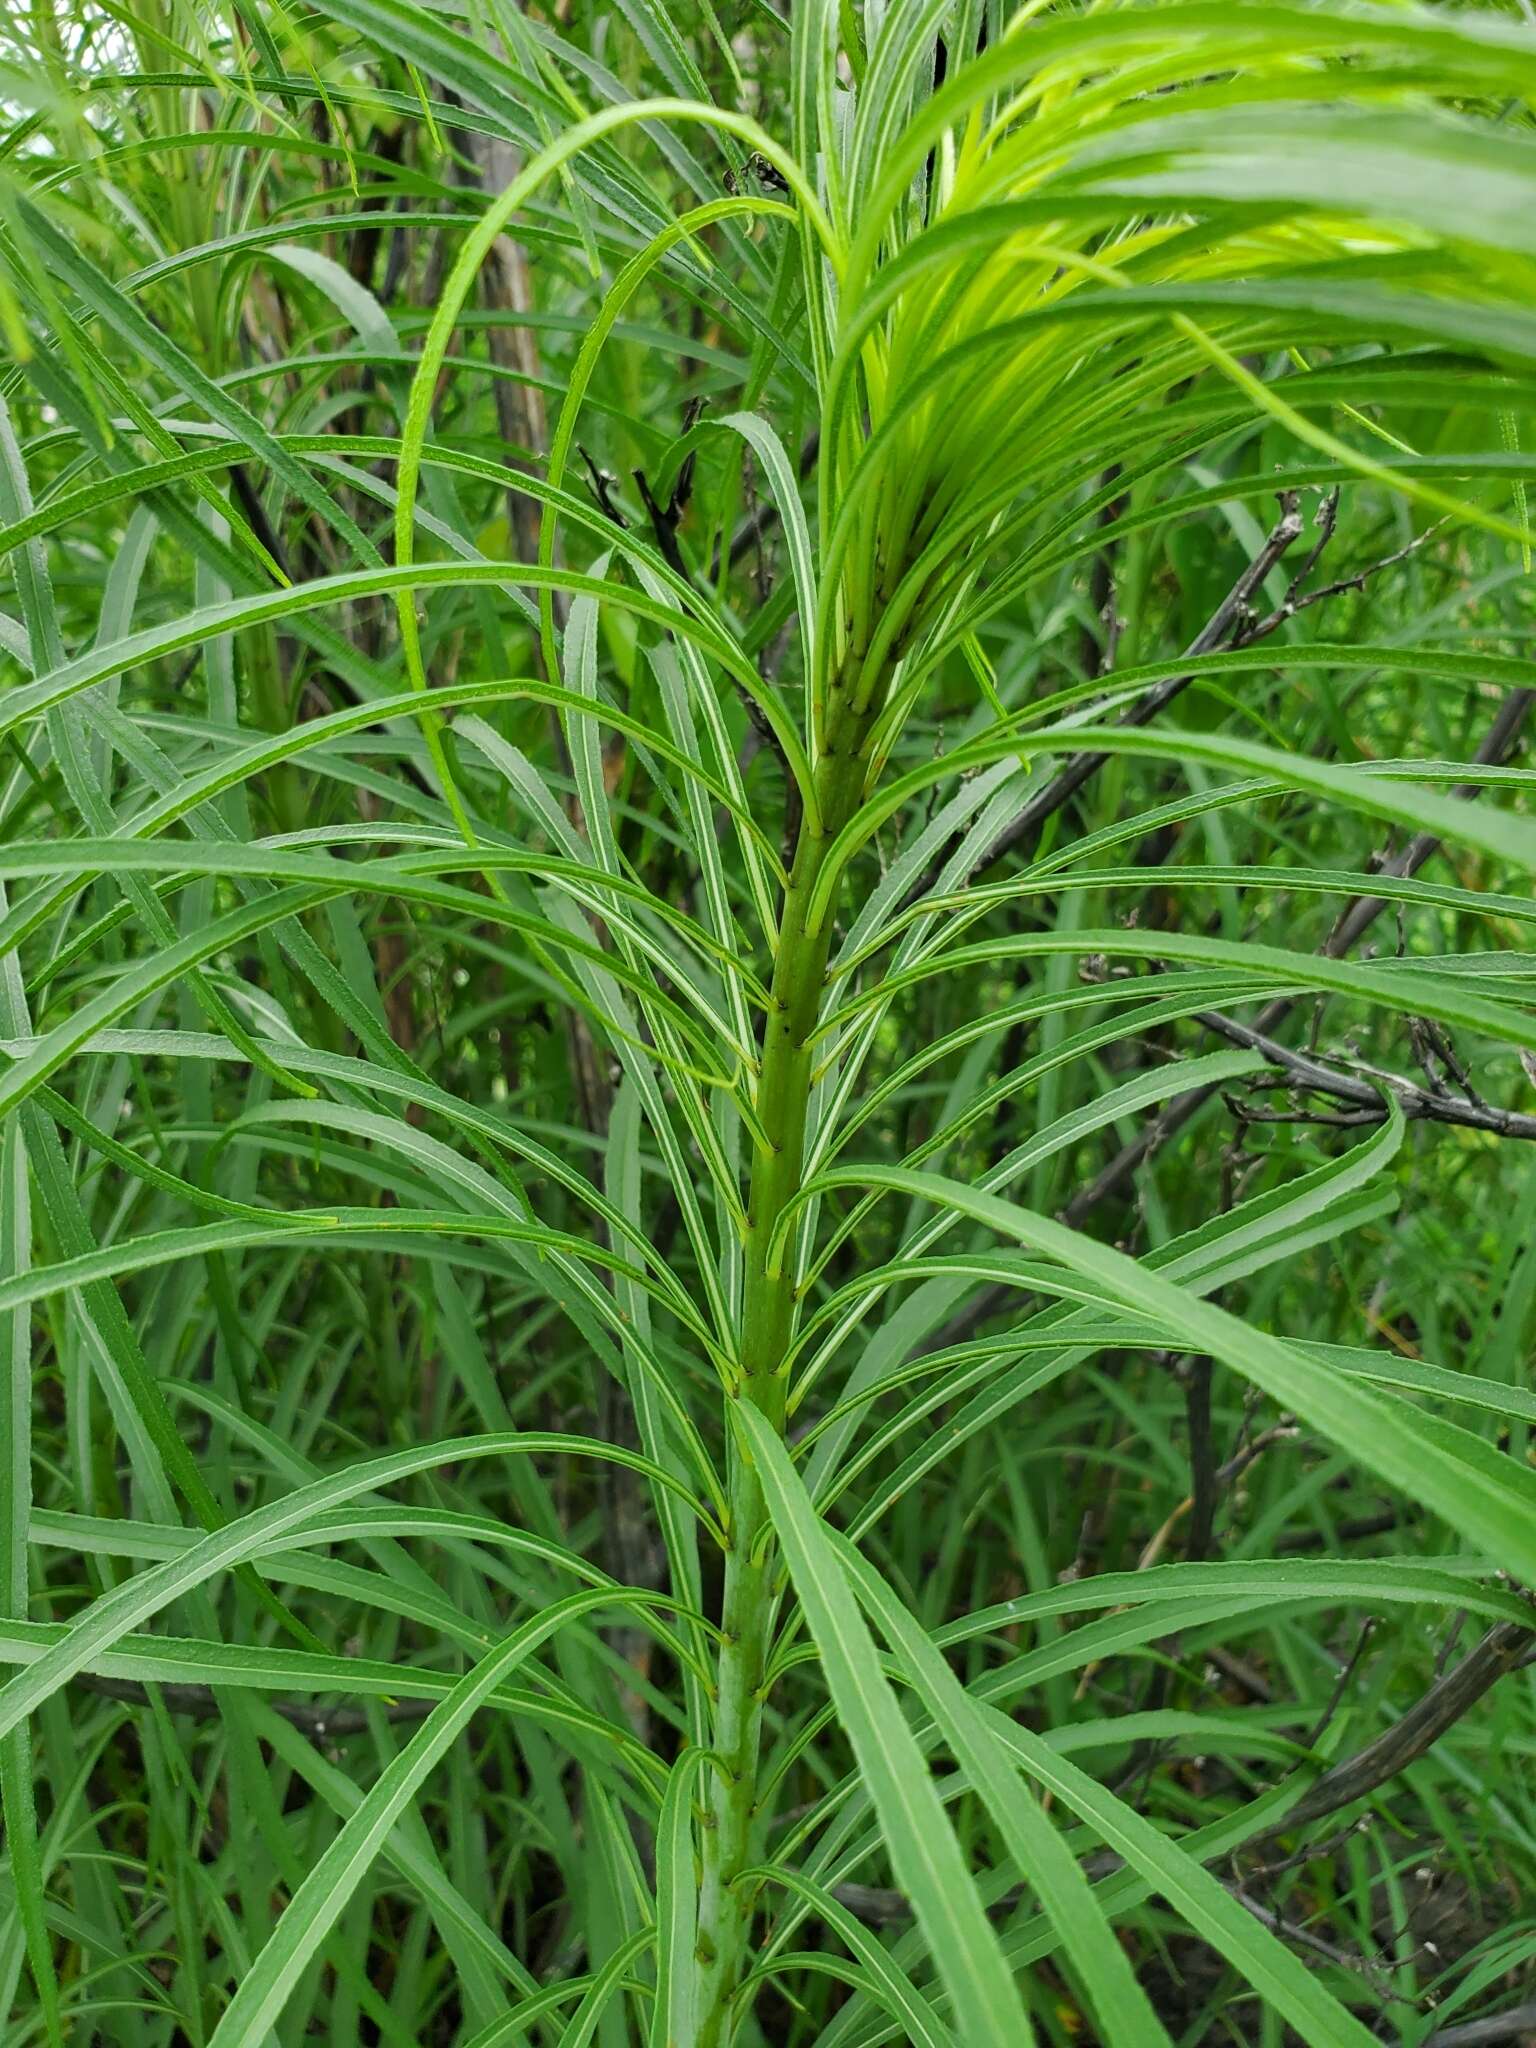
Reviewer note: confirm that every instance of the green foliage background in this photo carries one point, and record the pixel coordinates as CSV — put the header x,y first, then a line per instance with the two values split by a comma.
x,y
766,1236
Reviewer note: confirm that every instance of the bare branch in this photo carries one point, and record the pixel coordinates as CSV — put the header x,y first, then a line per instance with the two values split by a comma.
x,y
1204,1481
1505,1647
201,1703
1231,620
1366,1098
1502,2026
601,482
1357,1531
1351,926
878,1906
764,516
1295,602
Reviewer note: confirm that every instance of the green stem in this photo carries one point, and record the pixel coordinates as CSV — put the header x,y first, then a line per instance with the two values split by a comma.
x,y
768,1310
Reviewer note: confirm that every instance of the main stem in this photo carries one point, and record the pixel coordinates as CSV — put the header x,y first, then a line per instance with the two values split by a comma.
x,y
768,1311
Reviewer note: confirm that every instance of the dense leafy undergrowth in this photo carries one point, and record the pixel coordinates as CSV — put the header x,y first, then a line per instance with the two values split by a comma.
x,y
767,1243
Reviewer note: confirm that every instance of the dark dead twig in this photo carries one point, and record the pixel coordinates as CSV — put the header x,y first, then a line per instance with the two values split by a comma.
x,y
200,1703
1352,925
1232,623
1204,1484
601,482
1502,2026
1341,1685
1364,1091
763,517
1505,1647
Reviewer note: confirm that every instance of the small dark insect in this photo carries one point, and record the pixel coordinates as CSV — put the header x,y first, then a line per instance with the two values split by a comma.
x,y
757,166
